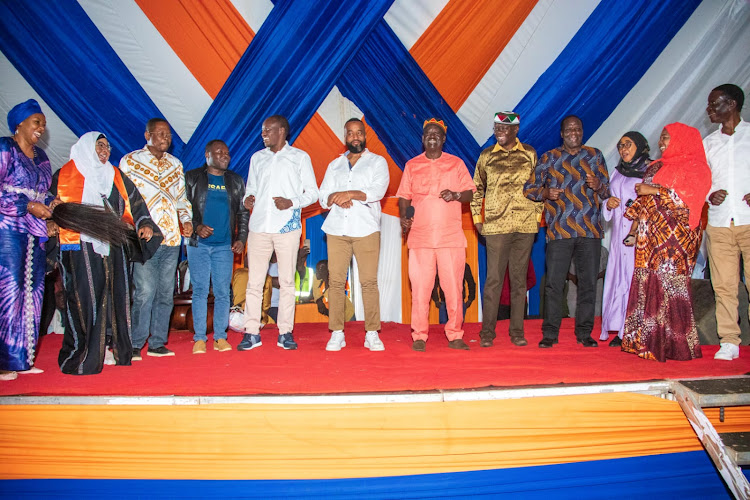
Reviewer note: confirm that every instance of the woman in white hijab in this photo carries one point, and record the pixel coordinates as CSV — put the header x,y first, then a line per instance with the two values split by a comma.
x,y
96,275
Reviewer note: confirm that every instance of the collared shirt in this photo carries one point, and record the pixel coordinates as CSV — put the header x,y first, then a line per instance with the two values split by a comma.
x,y
437,223
162,186
369,175
288,174
729,159
499,177
577,212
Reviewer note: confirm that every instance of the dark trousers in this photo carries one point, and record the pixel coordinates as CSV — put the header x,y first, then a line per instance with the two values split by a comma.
x,y
585,252
506,251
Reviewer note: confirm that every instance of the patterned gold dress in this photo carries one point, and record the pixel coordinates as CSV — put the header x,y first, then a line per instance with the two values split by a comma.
x,y
659,324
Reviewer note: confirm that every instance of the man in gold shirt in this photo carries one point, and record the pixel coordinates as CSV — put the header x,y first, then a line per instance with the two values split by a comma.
x,y
509,225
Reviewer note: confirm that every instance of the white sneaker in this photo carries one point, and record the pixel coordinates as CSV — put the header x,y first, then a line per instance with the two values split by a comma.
x,y
337,341
373,342
728,352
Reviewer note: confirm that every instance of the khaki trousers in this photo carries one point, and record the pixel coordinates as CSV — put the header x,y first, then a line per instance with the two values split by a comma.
x,y
366,250
260,246
725,245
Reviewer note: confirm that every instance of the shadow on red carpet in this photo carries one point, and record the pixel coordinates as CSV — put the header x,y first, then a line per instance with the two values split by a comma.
x,y
311,370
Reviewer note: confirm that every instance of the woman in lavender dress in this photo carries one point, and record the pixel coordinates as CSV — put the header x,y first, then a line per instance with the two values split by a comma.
x,y
25,177
634,160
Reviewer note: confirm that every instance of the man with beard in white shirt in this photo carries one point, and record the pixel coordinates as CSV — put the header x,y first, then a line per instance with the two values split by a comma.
x,y
280,183
352,188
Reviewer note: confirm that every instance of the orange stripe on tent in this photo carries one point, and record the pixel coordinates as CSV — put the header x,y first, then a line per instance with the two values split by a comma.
x,y
465,39
283,441
209,37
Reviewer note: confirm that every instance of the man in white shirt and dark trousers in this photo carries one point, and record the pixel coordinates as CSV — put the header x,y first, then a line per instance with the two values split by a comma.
x,y
280,183
728,231
352,188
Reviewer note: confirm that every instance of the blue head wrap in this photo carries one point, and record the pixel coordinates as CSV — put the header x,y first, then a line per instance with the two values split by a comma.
x,y
20,112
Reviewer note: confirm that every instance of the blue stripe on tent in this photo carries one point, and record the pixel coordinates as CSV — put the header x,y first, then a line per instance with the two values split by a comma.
x,y
396,96
64,57
613,49
289,68
677,475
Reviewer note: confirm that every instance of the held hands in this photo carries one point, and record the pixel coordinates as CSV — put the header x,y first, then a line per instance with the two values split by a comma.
x,y
629,240
645,189
38,210
613,203
282,203
187,229
52,229
249,202
406,223
54,203
448,195
204,231
552,193
342,199
238,247
593,182
146,233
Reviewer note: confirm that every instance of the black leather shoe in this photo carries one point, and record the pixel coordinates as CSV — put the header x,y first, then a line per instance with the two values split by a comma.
x,y
486,342
518,341
616,342
588,342
546,343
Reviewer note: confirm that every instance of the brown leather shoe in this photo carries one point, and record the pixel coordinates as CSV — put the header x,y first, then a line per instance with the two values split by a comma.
x,y
486,342
222,345
520,341
199,347
419,345
458,344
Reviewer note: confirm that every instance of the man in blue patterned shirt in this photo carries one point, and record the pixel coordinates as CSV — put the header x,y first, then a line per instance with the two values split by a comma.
x,y
572,181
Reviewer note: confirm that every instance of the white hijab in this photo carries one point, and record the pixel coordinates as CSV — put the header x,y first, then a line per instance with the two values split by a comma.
x,y
98,179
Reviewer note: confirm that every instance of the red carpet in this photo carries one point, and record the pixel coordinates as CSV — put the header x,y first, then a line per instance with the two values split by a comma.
x,y
312,370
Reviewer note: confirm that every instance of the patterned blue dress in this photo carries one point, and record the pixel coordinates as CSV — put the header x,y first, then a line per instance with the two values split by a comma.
x,y
22,257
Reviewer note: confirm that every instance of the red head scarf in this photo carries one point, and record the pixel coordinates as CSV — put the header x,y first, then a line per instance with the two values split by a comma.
x,y
684,169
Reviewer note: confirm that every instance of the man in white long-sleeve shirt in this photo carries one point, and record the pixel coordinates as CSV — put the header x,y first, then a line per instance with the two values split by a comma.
x,y
280,183
352,188
728,230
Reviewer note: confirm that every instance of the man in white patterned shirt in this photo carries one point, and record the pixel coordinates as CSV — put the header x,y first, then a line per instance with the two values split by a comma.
x,y
352,188
160,179
728,230
280,183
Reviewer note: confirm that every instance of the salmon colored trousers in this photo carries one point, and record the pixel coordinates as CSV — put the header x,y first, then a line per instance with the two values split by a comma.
x,y
450,264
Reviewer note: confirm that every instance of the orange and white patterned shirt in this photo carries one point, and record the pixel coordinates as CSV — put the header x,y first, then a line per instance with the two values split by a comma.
x,y
162,186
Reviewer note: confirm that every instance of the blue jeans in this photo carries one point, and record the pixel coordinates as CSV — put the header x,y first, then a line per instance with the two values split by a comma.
x,y
153,297
210,263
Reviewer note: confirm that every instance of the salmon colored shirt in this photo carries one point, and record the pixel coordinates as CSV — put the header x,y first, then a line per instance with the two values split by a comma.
x,y
437,223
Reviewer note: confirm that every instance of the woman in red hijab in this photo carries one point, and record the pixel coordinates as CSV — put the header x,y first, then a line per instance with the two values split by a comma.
x,y
666,230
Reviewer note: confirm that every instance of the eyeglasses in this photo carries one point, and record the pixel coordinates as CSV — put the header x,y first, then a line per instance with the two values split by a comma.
x,y
625,145
101,145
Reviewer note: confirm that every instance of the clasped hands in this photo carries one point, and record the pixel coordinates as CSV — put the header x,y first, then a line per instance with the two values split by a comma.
x,y
280,202
718,197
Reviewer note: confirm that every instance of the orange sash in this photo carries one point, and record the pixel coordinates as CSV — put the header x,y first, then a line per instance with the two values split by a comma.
x,y
70,190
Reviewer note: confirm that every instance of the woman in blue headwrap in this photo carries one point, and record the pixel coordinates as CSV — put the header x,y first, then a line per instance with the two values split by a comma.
x,y
25,177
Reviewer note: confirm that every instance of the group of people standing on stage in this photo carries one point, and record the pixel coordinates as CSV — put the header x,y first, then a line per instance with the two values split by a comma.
x,y
654,206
